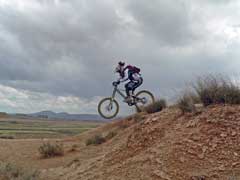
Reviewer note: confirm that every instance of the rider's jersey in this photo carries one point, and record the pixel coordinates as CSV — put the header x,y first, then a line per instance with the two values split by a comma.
x,y
128,74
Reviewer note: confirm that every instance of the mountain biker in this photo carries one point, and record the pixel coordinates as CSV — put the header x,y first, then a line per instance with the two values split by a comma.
x,y
132,75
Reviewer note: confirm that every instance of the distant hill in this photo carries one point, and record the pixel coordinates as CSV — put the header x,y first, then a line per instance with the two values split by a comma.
x,y
66,116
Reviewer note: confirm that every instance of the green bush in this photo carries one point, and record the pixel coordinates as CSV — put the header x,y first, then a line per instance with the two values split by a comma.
x,y
96,140
157,106
48,150
11,172
186,104
217,90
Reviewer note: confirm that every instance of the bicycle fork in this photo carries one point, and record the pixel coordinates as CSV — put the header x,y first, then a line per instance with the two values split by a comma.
x,y
114,94
110,106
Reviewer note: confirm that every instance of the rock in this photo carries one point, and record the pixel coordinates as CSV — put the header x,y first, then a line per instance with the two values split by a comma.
x,y
214,146
155,119
221,168
192,123
235,164
234,133
44,171
204,149
198,178
196,138
182,159
190,151
162,175
201,156
223,135
159,161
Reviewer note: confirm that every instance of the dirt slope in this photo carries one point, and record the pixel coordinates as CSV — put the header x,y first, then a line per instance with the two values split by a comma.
x,y
162,146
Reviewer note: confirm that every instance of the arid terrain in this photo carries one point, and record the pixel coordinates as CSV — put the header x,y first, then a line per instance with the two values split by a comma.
x,y
20,128
20,140
162,146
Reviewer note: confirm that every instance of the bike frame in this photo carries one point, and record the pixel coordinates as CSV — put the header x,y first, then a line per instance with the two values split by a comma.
x,y
115,91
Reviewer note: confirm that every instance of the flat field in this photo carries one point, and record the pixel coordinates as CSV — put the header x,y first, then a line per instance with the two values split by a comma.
x,y
17,128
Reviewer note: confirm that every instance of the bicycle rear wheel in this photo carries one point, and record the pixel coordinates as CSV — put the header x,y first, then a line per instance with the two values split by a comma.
x,y
143,99
108,108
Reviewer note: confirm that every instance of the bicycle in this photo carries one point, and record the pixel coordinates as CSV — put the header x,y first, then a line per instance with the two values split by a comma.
x,y
111,106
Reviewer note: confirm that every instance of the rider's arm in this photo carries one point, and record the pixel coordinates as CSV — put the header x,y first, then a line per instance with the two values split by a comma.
x,y
123,79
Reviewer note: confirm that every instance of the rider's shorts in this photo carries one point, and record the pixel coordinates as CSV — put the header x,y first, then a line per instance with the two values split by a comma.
x,y
132,85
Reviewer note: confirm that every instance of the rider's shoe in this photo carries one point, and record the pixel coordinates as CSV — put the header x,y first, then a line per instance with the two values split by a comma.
x,y
128,100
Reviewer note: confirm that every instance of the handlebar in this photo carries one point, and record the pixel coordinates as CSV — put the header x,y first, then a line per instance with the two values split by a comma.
x,y
115,83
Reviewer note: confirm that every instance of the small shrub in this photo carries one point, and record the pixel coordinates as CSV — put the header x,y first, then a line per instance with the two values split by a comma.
x,y
7,137
48,150
123,124
138,117
73,148
11,172
185,104
232,177
198,178
13,122
111,135
3,114
157,106
194,97
217,90
95,140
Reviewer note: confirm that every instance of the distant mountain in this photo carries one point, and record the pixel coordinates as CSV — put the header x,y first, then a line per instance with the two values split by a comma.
x,y
66,116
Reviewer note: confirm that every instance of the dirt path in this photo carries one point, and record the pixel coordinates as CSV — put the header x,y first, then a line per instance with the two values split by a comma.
x,y
24,153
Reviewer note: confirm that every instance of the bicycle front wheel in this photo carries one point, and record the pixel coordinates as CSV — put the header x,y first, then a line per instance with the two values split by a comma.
x,y
108,108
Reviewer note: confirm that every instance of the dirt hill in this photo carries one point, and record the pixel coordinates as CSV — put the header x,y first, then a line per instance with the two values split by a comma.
x,y
161,146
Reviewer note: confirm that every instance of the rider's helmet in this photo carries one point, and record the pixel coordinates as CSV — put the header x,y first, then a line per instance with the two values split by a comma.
x,y
121,63
120,67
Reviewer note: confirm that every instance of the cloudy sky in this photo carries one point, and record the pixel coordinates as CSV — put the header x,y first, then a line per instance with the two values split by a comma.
x,y
60,54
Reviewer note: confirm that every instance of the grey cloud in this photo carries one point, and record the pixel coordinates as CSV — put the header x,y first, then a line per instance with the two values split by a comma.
x,y
71,48
53,33
168,22
219,1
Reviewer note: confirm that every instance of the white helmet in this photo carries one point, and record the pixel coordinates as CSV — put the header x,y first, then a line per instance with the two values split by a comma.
x,y
120,67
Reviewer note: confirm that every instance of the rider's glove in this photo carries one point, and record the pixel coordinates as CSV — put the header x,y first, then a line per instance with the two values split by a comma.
x,y
116,83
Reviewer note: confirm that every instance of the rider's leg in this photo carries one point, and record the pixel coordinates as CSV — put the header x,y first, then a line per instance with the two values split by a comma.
x,y
137,84
127,87
129,91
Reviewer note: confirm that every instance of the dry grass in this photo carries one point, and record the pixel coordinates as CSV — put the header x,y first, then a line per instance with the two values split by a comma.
x,y
186,104
138,117
48,150
7,137
157,106
100,139
217,90
96,140
11,172
209,90
73,148
110,135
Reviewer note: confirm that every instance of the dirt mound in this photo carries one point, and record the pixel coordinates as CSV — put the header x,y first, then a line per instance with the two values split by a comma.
x,y
167,146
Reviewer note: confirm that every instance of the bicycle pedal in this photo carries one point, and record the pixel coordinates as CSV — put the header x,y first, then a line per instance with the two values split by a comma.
x,y
131,104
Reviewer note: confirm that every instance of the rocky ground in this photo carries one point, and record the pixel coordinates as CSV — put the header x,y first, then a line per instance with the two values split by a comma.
x,y
161,146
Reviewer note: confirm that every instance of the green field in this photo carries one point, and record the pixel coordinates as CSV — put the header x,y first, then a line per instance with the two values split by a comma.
x,y
29,128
